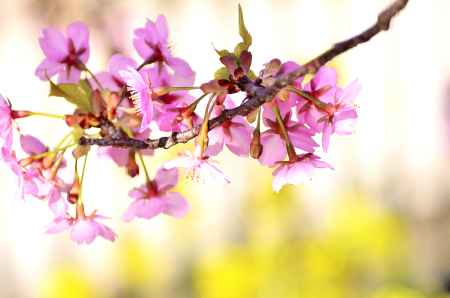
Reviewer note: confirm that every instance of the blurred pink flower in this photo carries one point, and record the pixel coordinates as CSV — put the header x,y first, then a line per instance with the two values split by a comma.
x,y
65,56
139,87
298,171
84,229
154,198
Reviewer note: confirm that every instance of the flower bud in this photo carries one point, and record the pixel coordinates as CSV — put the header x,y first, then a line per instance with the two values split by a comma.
x,y
256,148
20,114
74,193
80,151
132,167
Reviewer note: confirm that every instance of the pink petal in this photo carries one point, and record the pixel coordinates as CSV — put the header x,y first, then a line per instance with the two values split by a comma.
x,y
325,76
47,69
184,75
176,205
215,141
107,81
301,138
118,155
209,171
239,140
345,122
326,134
54,44
58,225
181,162
104,231
162,28
56,203
350,92
144,208
83,231
79,34
279,177
119,62
166,179
274,149
138,192
139,89
73,76
32,145
142,48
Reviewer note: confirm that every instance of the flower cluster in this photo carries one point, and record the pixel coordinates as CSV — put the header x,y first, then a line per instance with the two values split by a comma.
x,y
132,100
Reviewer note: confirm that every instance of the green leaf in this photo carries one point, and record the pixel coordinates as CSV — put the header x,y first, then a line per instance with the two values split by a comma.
x,y
243,32
251,75
77,94
222,74
222,53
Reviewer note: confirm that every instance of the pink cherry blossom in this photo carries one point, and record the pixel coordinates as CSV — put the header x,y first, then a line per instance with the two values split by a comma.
x,y
84,229
151,42
199,167
298,171
154,198
339,116
234,133
65,56
111,79
139,87
6,132
274,147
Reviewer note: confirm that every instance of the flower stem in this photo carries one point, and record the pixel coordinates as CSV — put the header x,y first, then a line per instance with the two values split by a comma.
x,y
141,159
193,105
92,75
61,143
83,172
48,115
289,147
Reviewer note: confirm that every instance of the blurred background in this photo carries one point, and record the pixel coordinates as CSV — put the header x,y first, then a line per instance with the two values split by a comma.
x,y
377,227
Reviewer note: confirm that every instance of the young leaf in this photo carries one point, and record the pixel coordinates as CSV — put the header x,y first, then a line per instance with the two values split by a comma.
x,y
243,32
77,94
222,53
222,74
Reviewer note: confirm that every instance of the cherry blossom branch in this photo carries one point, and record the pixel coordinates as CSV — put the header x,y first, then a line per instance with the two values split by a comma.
x,y
257,94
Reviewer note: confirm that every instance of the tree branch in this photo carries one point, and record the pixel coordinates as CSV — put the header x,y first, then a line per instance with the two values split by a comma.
x,y
258,95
